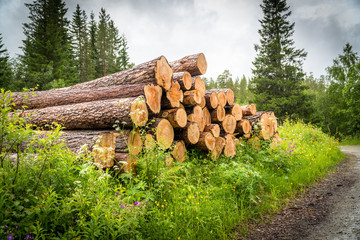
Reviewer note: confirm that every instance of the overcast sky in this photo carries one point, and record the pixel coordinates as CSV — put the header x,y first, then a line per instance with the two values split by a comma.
x,y
224,30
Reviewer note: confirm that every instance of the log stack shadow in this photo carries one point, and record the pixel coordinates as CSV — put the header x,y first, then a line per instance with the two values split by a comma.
x,y
154,103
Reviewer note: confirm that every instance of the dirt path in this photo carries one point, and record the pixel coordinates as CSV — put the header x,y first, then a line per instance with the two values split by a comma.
x,y
330,210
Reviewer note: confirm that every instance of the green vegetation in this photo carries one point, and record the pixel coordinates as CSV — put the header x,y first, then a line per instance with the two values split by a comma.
x,y
49,192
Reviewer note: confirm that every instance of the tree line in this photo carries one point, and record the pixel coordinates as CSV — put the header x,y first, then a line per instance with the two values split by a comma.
x,y
58,52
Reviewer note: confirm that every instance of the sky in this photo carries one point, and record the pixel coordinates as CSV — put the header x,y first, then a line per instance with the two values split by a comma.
x,y
224,30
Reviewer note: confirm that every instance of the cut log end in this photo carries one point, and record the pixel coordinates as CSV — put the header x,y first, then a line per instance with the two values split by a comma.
x,y
153,95
212,100
235,110
138,112
149,141
125,162
218,115
164,133
163,73
191,133
179,152
202,64
175,94
206,116
135,142
229,124
192,98
219,147
244,127
222,99
206,141
249,110
199,85
230,97
213,128
230,148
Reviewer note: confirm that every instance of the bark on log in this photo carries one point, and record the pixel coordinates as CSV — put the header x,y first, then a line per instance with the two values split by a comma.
x,y
179,151
230,148
229,124
222,99
173,97
177,117
164,132
156,71
249,110
192,98
219,147
212,100
206,141
190,133
214,129
42,99
194,64
184,79
101,114
235,110
218,115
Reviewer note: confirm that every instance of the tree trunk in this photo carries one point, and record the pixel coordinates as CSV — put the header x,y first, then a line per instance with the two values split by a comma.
x,y
184,79
156,71
177,117
173,97
42,99
190,133
214,129
219,147
194,64
164,132
212,100
192,98
234,110
199,85
206,141
229,124
218,115
248,110
101,114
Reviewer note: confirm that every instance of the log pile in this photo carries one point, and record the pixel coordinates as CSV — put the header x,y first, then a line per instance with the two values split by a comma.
x,y
169,98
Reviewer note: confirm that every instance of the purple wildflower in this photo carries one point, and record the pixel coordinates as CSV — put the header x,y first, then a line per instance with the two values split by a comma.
x,y
180,165
114,213
122,207
195,196
147,200
16,227
117,193
6,227
136,203
75,220
10,237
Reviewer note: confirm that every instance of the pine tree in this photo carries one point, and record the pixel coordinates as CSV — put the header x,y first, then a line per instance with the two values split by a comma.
x,y
81,44
124,59
243,90
47,54
5,68
225,79
278,76
95,70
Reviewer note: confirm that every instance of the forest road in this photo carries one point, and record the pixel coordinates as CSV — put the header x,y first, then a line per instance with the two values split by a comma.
x,y
329,210
343,219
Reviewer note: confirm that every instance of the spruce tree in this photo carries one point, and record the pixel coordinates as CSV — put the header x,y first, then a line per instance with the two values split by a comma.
x,y
80,44
5,68
243,90
47,53
277,75
95,70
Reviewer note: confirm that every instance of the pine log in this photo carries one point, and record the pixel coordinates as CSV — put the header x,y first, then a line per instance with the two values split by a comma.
x,y
261,123
195,114
184,79
203,102
222,99
229,124
218,115
199,85
101,114
177,117
42,99
230,148
248,110
173,97
190,133
273,123
194,64
214,129
212,100
219,147
149,141
235,110
125,162
156,71
243,127
206,141
192,98
206,116
229,95
164,132
129,141
179,151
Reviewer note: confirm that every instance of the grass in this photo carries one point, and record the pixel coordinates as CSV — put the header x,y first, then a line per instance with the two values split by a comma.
x,y
61,195
353,140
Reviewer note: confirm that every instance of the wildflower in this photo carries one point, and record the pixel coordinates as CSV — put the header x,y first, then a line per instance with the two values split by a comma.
x,y
75,220
6,227
136,203
147,200
16,227
10,237
197,217
195,196
105,215
117,193
114,213
162,205
122,207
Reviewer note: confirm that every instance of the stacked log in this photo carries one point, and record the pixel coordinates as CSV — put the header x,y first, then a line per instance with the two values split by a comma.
x,y
168,102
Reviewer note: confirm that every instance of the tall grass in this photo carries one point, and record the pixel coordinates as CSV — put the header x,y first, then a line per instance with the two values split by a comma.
x,y
49,192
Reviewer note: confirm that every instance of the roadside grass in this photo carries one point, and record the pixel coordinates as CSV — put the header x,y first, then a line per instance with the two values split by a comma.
x,y
353,140
49,192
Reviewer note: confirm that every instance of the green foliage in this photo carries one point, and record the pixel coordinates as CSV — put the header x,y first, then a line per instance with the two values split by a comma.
x,y
5,67
278,76
49,192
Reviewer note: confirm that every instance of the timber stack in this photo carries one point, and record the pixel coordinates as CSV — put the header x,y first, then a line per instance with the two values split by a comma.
x,y
169,98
